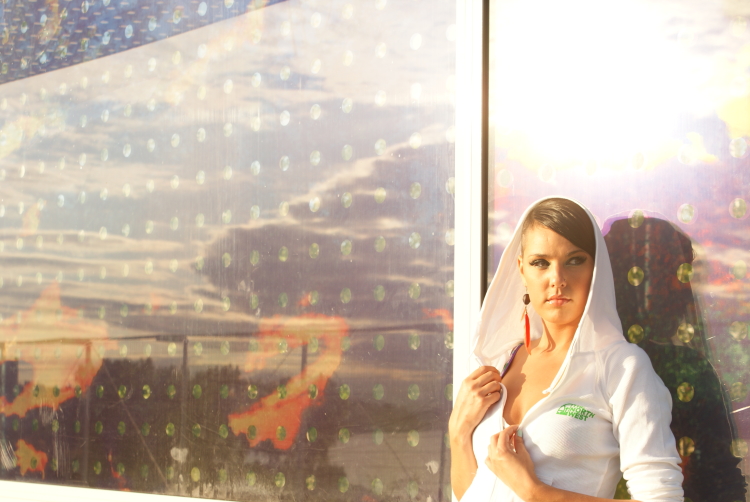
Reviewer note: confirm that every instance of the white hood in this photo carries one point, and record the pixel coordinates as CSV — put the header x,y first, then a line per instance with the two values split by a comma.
x,y
500,320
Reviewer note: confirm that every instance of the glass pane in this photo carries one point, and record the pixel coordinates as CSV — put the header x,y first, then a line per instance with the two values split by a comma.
x,y
640,111
227,252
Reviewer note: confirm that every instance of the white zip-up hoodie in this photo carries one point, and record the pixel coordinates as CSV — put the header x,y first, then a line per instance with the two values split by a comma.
x,y
606,413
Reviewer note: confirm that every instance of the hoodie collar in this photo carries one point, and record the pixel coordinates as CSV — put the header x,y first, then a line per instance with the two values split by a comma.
x,y
500,324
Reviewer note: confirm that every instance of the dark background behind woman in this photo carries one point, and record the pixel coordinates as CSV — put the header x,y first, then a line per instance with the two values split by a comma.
x,y
652,263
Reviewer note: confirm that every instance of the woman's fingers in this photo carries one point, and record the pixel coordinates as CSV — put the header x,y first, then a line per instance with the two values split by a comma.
x,y
490,387
487,377
481,370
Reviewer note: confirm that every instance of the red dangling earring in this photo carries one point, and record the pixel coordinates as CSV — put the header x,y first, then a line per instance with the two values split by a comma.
x,y
526,301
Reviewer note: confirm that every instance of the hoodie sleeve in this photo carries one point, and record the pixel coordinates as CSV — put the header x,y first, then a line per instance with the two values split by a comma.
x,y
641,413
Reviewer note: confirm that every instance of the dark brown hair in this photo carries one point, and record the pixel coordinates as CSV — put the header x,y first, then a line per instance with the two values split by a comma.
x,y
566,218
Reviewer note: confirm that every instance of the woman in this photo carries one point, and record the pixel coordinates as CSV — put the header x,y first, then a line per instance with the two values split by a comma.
x,y
576,408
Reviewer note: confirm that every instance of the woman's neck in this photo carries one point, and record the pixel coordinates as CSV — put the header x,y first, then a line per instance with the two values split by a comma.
x,y
556,337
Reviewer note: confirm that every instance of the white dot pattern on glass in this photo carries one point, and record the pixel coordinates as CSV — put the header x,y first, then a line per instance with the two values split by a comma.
x,y
264,175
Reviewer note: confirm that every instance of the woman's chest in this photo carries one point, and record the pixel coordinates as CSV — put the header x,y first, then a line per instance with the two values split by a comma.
x,y
526,381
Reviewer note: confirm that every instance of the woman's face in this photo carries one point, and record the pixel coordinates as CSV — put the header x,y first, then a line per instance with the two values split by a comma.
x,y
557,275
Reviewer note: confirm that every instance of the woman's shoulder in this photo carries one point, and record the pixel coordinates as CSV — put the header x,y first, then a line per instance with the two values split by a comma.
x,y
623,362
625,355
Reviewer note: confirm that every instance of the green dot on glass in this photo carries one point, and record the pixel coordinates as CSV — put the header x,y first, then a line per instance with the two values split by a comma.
x,y
346,343
224,348
195,474
146,429
312,434
283,347
378,293
223,431
414,341
685,272
121,428
122,391
78,391
170,429
378,342
120,468
144,471
35,392
635,276
254,301
377,486
313,345
171,391
380,195
76,426
196,430
252,391
169,472
346,295
98,427
380,244
280,432
310,482
449,340
344,392
97,468
224,391
449,392
35,424
55,425
252,431
100,391
313,297
346,247
314,251
412,437
197,391
222,475
344,435
76,465
414,291
343,485
253,346
53,465
413,392
279,480
635,333
378,392
738,208
312,391
281,391
412,489
198,348
283,300
250,478
146,392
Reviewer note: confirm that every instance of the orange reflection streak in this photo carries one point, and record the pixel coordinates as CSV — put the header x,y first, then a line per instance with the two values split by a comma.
x,y
273,411
444,314
29,459
57,343
121,480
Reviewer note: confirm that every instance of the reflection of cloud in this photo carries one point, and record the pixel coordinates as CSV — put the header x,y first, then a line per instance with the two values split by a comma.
x,y
50,332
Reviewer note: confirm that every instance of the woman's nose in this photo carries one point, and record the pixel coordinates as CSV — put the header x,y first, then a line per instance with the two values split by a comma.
x,y
557,277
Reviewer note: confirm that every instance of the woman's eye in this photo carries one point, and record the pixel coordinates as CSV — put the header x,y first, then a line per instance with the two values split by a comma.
x,y
539,263
577,260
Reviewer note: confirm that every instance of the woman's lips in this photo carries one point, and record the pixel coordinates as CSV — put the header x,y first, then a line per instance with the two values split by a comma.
x,y
557,302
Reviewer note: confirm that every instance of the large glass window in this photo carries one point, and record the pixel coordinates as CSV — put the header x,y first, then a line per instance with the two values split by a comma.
x,y
640,111
226,234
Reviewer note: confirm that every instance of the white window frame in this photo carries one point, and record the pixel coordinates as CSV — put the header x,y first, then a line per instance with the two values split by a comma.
x,y
469,251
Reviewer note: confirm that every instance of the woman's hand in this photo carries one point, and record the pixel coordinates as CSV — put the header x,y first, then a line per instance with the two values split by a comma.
x,y
508,459
480,390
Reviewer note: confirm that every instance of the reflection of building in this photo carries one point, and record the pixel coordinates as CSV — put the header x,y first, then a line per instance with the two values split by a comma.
x,y
9,377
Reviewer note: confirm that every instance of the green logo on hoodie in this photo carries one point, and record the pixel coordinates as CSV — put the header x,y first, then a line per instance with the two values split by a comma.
x,y
575,411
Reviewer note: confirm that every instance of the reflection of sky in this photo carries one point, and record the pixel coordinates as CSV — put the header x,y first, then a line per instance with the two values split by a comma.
x,y
631,106
146,180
